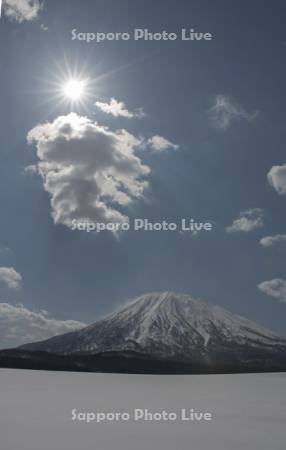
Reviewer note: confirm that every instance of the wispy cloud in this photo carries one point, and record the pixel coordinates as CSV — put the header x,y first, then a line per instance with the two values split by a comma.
x,y
44,27
226,110
274,288
19,325
119,109
161,144
269,241
22,10
10,277
247,221
4,250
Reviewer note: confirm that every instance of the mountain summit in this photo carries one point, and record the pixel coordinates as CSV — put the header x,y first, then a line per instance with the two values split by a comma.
x,y
176,327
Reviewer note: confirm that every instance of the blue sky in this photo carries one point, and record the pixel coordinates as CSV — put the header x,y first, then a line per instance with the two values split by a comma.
x,y
221,102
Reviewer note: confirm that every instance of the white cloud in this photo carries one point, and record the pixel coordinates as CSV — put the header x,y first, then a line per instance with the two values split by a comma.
x,y
160,144
90,171
19,326
10,277
275,288
277,178
44,27
22,10
268,241
119,109
247,221
225,110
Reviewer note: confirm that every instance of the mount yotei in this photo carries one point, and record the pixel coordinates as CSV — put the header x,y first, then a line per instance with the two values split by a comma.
x,y
167,332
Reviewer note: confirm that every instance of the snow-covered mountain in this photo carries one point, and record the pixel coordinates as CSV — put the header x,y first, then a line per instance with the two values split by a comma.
x,y
171,326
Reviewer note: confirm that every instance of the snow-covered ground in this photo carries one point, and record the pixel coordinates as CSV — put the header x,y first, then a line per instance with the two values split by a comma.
x,y
35,411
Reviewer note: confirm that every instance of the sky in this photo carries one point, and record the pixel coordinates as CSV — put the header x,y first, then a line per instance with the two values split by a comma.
x,y
164,130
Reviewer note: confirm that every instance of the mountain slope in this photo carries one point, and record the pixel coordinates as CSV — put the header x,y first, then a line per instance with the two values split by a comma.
x,y
174,327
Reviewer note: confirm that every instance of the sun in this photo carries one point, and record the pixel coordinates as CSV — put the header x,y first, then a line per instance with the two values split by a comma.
x,y
70,87
74,89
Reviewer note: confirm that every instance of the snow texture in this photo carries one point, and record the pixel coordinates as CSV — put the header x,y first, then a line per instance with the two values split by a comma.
x,y
35,411
166,325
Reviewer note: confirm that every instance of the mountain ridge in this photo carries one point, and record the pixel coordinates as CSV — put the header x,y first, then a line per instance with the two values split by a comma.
x,y
167,325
